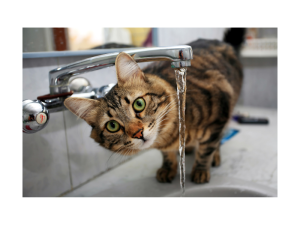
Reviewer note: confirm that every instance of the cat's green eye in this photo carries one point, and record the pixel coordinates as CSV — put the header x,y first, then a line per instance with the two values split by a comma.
x,y
113,126
139,105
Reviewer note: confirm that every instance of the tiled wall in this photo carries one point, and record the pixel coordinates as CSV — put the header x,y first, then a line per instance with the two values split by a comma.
x,y
45,159
62,155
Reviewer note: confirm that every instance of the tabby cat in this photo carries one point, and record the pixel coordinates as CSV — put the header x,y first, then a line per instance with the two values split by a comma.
x,y
140,111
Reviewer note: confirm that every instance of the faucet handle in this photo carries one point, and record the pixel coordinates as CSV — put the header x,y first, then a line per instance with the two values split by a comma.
x,y
105,89
80,85
35,116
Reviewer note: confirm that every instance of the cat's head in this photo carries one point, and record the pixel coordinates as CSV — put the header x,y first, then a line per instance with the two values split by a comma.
x,y
133,113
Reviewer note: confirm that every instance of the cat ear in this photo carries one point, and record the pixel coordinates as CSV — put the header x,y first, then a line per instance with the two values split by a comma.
x,y
83,108
127,69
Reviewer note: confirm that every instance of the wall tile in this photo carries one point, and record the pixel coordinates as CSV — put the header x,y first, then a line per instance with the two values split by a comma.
x,y
45,161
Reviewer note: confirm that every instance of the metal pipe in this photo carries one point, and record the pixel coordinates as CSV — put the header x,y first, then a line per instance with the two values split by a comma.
x,y
36,113
179,56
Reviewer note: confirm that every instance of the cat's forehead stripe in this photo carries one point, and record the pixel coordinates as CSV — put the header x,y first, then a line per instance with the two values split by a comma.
x,y
112,105
155,94
127,100
109,114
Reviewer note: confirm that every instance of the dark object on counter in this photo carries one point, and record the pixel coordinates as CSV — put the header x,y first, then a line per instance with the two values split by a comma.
x,y
251,120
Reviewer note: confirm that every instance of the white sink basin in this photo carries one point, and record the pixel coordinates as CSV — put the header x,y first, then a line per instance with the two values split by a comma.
x,y
217,187
227,187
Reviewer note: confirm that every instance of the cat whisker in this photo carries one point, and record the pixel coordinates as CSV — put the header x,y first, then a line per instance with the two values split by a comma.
x,y
157,142
109,159
164,110
121,157
170,103
115,153
165,113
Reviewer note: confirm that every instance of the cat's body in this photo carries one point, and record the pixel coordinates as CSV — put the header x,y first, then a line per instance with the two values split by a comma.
x,y
140,112
213,86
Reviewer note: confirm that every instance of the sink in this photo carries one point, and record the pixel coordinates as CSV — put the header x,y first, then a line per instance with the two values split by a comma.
x,y
234,178
219,186
227,187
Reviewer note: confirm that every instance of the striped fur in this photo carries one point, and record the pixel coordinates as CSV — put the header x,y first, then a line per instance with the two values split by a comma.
x,y
213,86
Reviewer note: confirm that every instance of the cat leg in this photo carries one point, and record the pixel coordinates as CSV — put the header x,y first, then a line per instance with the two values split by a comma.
x,y
204,157
169,168
216,158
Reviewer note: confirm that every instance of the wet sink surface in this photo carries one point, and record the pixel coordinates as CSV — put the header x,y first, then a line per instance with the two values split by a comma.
x,y
218,187
248,168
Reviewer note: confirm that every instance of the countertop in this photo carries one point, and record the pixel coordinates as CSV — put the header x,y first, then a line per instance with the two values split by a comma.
x,y
251,155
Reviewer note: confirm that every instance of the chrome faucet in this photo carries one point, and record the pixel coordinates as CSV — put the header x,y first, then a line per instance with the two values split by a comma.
x,y
179,56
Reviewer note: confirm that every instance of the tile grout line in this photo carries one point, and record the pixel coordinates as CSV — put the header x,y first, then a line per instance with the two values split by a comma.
x,y
69,165
93,178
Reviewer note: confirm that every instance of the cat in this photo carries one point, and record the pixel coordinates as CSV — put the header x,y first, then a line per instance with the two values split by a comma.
x,y
140,111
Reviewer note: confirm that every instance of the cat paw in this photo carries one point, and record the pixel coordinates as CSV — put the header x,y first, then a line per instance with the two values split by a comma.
x,y
164,175
200,176
216,160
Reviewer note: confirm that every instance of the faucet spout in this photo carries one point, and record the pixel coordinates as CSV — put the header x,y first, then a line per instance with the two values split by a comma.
x,y
179,56
36,113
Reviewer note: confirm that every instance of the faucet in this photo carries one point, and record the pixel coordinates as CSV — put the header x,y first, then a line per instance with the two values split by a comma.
x,y
36,113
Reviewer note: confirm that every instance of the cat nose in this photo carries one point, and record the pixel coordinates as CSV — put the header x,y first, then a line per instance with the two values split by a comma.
x,y
135,130
138,134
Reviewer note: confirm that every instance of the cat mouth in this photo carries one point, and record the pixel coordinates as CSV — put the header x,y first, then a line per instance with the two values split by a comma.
x,y
146,143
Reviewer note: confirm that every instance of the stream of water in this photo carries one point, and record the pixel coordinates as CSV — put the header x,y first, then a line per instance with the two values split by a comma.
x,y
180,75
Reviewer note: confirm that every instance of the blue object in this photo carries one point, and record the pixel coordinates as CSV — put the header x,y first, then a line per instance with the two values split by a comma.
x,y
229,134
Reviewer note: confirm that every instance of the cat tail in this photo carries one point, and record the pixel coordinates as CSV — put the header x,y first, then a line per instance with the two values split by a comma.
x,y
235,37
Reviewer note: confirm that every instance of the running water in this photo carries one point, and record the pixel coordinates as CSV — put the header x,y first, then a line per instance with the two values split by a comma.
x,y
181,93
